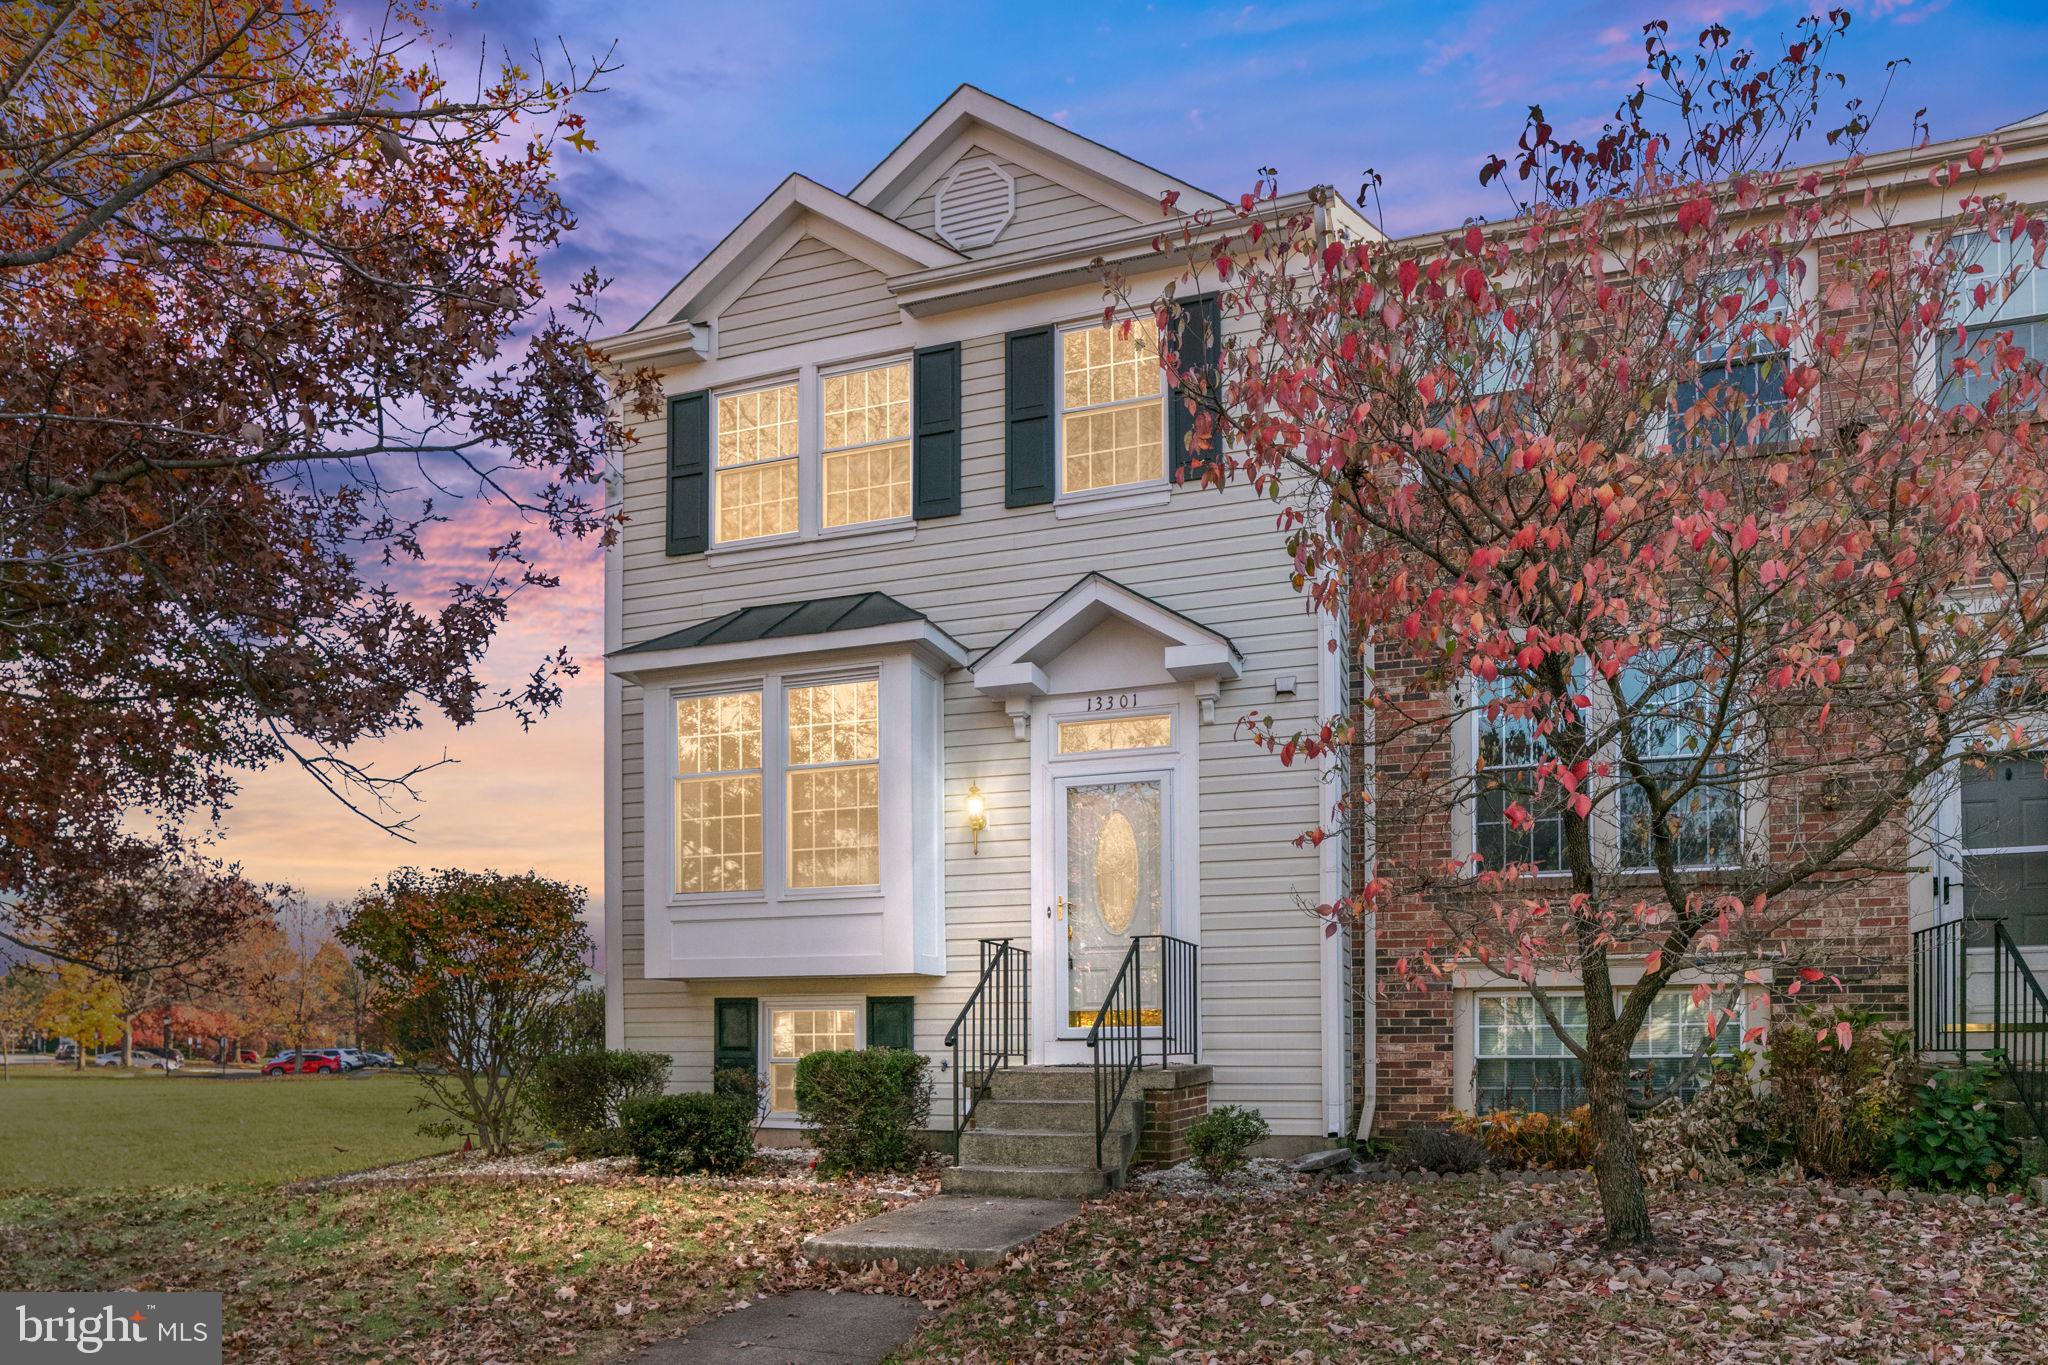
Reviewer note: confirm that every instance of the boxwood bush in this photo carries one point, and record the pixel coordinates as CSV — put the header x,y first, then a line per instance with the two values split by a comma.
x,y
1220,1140
576,1095
864,1110
681,1134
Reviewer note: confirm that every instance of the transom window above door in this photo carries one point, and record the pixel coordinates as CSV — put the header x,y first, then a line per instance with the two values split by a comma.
x,y
1108,733
1112,393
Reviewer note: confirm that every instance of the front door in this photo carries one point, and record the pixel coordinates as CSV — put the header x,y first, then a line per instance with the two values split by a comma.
x,y
1113,868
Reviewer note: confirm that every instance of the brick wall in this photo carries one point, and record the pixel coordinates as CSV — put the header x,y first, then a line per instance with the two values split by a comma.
x,y
1169,1113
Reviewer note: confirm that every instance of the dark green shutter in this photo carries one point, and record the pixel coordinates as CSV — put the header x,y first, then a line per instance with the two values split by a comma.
x,y
735,1024
1027,402
689,473
890,1019
1198,345
935,394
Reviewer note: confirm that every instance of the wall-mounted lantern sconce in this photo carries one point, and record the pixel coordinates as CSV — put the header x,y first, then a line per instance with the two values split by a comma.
x,y
977,815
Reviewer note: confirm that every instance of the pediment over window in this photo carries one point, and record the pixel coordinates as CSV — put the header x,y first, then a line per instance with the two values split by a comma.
x,y
1098,632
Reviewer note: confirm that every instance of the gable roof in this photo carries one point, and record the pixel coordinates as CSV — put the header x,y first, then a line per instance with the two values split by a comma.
x,y
868,236
892,184
1015,665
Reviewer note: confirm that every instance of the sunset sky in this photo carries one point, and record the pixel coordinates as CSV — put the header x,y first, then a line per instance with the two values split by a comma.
x,y
715,103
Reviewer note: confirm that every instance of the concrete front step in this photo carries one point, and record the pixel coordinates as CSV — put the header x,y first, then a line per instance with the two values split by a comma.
x,y
1043,1083
1063,1116
1030,1182
1042,1147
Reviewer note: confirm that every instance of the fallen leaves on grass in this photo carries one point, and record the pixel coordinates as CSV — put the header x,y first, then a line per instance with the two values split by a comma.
x,y
1394,1271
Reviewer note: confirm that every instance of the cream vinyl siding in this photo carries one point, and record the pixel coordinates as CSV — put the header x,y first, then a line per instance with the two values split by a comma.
x,y
813,290
1048,214
1213,556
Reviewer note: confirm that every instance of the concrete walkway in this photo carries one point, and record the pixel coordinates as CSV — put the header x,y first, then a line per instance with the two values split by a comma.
x,y
806,1327
942,1230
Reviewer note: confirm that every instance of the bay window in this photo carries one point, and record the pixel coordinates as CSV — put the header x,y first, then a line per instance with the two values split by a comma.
x,y
718,792
1112,394
865,467
757,444
1520,1063
835,796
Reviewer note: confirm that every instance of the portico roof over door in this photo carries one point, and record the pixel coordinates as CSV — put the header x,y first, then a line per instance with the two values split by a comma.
x,y
1101,635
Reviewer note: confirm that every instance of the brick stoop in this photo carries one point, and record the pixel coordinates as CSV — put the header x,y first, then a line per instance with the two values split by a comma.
x,y
1033,1134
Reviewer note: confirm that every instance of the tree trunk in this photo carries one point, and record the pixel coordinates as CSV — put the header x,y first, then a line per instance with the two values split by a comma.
x,y
128,1040
1624,1204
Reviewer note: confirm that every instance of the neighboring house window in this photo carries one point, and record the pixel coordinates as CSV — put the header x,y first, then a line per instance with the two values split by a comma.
x,y
1669,728
2005,845
866,450
1521,1063
1112,407
757,441
1509,750
1116,732
835,797
718,793
794,1034
1742,372
2024,313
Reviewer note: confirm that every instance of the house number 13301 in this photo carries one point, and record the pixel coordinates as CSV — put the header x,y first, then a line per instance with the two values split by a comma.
x,y
1112,701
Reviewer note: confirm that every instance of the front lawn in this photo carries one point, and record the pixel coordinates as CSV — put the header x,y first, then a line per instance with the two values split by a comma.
x,y
461,1269
95,1129
1384,1271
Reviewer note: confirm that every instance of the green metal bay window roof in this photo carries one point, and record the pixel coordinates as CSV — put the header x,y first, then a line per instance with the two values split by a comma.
x,y
782,627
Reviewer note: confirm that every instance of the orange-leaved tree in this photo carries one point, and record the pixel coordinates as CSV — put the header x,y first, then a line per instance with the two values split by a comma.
x,y
274,301
1679,571
476,969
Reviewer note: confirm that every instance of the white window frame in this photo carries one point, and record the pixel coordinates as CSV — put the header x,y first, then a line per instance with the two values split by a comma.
x,y
1606,819
816,436
775,688
677,777
765,1055
1930,373
1122,493
809,379
786,770
780,381
1797,291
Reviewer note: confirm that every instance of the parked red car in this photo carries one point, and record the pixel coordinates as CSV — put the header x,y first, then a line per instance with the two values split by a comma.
x,y
301,1063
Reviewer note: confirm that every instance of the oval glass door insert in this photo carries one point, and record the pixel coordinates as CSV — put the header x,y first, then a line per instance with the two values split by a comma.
x,y
1116,873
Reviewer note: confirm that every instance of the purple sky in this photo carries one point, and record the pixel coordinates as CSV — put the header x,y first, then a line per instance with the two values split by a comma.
x,y
715,103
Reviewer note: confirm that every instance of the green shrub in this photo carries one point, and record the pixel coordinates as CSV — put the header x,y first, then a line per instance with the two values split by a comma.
x,y
679,1134
1531,1141
864,1111
576,1095
1956,1137
1833,1110
742,1085
1219,1140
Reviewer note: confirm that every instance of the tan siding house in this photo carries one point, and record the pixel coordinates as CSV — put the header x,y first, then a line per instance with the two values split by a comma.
x,y
910,555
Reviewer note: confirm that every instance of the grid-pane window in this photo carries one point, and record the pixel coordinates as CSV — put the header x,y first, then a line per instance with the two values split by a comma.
x,y
1742,369
757,449
794,1035
835,797
1509,750
1112,407
1670,721
1521,1063
1115,732
718,793
866,450
2023,313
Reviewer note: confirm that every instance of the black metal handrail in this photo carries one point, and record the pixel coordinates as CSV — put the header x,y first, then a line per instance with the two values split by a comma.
x,y
1116,1037
993,1029
2019,1022
2018,1031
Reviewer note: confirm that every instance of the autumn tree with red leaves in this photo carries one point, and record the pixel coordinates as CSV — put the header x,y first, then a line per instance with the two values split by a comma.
x,y
1721,558
274,310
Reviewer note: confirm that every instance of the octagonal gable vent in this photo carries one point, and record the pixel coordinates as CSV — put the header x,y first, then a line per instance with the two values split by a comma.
x,y
974,205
